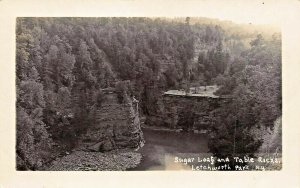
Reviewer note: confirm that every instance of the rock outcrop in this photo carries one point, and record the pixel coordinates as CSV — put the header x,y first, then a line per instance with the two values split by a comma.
x,y
184,112
116,126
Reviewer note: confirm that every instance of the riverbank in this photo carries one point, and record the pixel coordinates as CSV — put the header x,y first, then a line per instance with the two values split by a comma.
x,y
157,128
117,160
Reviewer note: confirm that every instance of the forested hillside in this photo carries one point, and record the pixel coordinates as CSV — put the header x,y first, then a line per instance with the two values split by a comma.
x,y
59,59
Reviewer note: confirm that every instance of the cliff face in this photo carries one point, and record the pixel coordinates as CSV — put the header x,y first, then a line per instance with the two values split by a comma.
x,y
186,112
117,125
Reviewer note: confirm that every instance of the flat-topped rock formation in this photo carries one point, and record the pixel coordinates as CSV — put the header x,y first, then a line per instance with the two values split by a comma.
x,y
192,111
201,91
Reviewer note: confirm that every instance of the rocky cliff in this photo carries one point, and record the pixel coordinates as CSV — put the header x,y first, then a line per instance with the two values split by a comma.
x,y
117,125
188,113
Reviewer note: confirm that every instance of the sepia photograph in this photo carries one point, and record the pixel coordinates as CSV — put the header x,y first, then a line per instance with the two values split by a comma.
x,y
147,94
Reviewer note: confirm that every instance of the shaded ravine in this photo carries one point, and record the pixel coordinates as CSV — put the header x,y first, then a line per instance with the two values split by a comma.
x,y
163,146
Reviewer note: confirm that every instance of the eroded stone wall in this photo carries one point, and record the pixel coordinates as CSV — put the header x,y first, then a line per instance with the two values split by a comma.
x,y
186,112
117,125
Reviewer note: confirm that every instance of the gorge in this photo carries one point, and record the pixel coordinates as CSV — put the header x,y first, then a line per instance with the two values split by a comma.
x,y
95,90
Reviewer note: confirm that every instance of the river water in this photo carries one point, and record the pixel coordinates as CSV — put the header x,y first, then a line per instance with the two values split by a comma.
x,y
163,146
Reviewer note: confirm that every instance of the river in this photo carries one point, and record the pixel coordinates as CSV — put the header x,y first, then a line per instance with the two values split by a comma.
x,y
163,146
